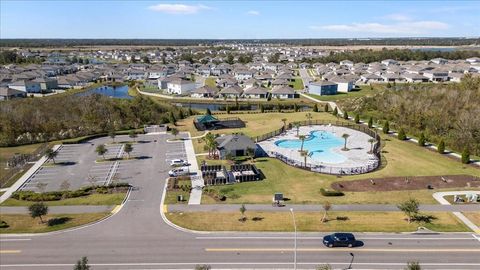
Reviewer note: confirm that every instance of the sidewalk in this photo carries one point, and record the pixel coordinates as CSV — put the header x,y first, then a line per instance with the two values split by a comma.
x,y
67,209
25,176
316,208
197,180
439,196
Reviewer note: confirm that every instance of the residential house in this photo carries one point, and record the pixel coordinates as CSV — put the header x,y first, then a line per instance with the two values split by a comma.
x,y
234,145
343,85
255,92
27,86
231,92
283,92
204,92
414,78
47,84
436,75
180,86
9,93
323,88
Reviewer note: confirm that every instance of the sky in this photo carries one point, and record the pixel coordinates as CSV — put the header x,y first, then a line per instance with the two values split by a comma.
x,y
238,19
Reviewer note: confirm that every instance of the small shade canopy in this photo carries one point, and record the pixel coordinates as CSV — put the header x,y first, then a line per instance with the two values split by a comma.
x,y
206,119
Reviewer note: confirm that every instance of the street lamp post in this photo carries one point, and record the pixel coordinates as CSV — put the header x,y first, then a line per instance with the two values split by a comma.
x,y
295,241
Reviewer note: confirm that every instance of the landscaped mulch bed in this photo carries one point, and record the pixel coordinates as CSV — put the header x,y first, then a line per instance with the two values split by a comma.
x,y
408,183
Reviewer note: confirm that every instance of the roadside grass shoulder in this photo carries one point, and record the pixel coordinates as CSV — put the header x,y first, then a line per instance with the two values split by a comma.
x,y
473,217
25,224
311,221
93,199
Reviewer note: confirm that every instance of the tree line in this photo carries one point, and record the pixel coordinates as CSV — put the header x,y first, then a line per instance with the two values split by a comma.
x,y
32,120
437,112
368,56
193,42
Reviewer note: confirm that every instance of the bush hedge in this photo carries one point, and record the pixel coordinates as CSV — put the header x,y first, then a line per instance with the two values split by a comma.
x,y
331,193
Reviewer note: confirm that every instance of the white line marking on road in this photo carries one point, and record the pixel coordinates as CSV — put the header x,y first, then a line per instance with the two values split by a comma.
x,y
15,240
476,237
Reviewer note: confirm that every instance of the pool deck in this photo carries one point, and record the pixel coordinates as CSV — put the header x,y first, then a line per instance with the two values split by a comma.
x,y
356,156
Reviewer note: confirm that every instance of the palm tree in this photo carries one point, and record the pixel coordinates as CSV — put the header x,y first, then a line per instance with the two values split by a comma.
x,y
101,150
284,120
112,135
309,117
51,154
174,132
128,149
371,141
297,126
210,143
304,154
326,207
345,137
302,138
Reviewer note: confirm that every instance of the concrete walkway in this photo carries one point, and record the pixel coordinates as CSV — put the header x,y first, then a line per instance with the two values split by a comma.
x,y
315,208
439,196
26,175
196,174
332,104
67,209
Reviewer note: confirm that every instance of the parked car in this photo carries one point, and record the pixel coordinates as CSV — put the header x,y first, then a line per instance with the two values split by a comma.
x,y
179,172
339,240
178,163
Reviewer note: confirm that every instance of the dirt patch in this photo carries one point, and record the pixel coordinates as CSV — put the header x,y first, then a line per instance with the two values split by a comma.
x,y
408,183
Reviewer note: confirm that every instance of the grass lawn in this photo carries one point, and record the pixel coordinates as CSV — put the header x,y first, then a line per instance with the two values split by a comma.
x,y
8,152
171,196
310,221
400,159
474,217
26,224
364,90
210,81
297,84
93,199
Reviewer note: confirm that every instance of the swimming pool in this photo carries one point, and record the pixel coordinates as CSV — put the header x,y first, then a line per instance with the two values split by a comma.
x,y
319,144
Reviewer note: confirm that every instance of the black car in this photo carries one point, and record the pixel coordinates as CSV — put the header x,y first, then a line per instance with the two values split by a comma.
x,y
339,240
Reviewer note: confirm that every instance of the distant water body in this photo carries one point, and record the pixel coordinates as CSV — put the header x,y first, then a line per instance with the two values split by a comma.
x,y
110,91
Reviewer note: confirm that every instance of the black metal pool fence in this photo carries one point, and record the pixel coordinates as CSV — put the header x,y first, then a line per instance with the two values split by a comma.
x,y
327,169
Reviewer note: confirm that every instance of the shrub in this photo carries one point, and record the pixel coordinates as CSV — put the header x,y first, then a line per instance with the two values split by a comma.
x,y
315,108
357,118
386,127
331,193
335,111
422,140
441,147
466,156
101,190
3,224
401,135
345,115
370,122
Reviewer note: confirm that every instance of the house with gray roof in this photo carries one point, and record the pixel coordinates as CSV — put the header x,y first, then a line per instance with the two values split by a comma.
x,y
204,92
255,92
234,145
9,93
283,92
323,88
234,91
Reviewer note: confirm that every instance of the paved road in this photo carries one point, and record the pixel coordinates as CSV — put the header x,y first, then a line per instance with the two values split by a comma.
x,y
137,238
316,208
305,77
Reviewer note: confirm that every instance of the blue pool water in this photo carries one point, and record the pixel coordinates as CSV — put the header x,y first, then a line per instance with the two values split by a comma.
x,y
319,145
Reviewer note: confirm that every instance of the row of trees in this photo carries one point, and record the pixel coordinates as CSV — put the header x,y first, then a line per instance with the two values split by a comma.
x,y
12,57
368,56
446,114
57,117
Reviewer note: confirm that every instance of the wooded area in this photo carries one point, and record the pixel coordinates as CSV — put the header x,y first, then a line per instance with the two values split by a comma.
x,y
442,111
33,120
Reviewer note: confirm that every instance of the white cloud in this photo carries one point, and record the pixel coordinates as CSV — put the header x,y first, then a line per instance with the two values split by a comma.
x,y
178,8
404,28
398,17
253,13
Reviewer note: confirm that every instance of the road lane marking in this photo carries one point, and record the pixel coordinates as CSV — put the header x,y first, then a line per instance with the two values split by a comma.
x,y
9,251
337,249
15,240
476,237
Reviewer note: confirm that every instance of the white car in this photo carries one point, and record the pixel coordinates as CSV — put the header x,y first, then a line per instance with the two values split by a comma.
x,y
178,163
179,172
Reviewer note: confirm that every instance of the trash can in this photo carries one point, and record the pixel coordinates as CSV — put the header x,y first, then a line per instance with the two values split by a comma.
x,y
180,198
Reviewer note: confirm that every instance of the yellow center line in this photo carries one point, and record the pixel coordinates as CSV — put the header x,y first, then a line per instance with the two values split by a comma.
x,y
335,249
9,251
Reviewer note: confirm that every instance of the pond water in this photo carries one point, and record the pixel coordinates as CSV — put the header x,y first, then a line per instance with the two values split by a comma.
x,y
110,91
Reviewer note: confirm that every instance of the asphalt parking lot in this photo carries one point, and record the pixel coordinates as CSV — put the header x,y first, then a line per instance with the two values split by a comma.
x,y
175,150
80,165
